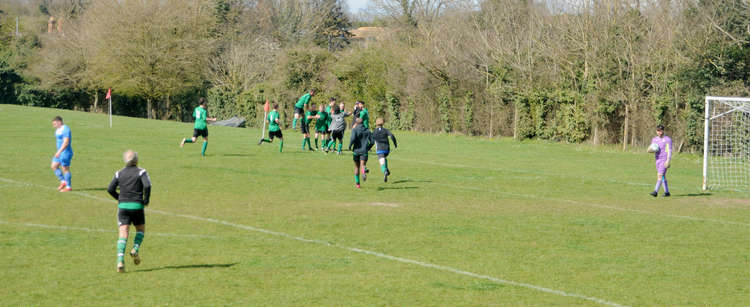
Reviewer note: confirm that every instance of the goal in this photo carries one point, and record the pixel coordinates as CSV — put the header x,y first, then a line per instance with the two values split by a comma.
x,y
726,144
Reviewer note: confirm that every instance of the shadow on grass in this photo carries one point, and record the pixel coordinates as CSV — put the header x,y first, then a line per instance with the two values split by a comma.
x,y
92,189
189,266
396,188
235,155
691,195
409,180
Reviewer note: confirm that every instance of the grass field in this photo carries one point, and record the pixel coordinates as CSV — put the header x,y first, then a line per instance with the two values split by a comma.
x,y
462,221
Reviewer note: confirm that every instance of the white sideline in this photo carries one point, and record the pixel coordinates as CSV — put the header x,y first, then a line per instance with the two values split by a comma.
x,y
595,205
353,249
161,234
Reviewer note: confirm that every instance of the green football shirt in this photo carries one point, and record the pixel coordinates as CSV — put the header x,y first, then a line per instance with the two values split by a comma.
x,y
322,122
200,115
272,125
305,99
328,121
308,113
365,118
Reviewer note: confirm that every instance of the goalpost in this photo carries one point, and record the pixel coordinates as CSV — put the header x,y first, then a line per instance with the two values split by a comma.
x,y
726,144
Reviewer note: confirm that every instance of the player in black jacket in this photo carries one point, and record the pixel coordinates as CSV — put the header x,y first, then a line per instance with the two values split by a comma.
x,y
135,192
380,135
360,144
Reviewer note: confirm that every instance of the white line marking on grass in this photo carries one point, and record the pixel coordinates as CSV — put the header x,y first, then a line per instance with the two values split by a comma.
x,y
55,227
356,250
595,205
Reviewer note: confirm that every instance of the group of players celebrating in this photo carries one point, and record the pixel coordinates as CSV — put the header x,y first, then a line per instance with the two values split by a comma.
x,y
329,126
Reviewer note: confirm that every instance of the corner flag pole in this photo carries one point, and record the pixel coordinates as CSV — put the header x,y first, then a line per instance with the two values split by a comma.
x,y
109,96
266,107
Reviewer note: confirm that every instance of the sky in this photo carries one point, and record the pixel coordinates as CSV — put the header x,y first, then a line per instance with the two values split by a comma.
x,y
356,5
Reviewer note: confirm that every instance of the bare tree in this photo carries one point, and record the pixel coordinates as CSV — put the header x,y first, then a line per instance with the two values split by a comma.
x,y
154,49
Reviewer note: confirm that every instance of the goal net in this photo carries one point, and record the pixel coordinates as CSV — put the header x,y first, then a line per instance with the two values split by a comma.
x,y
726,144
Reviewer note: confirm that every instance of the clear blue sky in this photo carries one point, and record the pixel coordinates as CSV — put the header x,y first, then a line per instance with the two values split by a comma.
x,y
355,5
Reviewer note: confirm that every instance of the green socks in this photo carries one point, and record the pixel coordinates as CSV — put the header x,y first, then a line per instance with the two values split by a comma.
x,y
294,123
121,249
356,178
203,151
385,164
266,140
188,140
341,144
382,168
281,145
138,240
316,143
304,142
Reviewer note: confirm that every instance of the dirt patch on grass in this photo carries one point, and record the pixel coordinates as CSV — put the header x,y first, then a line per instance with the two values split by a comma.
x,y
376,204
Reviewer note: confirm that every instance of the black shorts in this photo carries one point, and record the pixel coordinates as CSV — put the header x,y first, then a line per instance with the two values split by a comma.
x,y
305,128
200,132
357,158
277,134
131,216
299,111
338,135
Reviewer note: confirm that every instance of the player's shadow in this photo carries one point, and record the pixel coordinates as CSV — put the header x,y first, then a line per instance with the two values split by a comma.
x,y
189,266
692,195
410,180
396,188
236,155
92,189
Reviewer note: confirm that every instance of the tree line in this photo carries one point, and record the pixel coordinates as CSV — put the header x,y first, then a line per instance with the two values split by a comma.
x,y
604,72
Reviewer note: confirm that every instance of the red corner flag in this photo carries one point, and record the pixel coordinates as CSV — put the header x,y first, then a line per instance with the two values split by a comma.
x,y
266,107
109,93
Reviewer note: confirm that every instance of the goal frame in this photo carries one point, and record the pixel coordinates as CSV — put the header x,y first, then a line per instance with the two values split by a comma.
x,y
707,125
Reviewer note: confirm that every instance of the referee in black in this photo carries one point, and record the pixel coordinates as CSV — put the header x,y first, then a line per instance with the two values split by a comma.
x,y
135,192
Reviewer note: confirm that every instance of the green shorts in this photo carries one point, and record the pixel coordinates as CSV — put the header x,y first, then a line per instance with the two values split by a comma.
x,y
359,157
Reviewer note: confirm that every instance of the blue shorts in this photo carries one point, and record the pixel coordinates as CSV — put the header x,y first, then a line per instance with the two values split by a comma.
x,y
64,159
383,153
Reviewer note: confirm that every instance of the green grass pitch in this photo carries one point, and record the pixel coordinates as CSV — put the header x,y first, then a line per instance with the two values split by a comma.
x,y
462,221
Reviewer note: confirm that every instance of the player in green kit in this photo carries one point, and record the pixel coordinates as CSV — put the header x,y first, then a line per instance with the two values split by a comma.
x,y
364,114
201,125
329,110
321,127
306,120
273,128
300,106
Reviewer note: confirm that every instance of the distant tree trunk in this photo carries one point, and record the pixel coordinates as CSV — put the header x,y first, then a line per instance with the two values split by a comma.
x,y
626,129
148,108
596,134
96,101
515,121
168,109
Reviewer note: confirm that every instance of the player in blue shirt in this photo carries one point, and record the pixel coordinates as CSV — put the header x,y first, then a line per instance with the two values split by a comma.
x,y
64,154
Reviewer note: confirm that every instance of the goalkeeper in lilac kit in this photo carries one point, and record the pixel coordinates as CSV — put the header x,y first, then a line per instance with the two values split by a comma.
x,y
663,159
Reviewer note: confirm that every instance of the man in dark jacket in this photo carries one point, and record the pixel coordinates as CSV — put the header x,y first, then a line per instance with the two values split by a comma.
x,y
135,192
360,144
